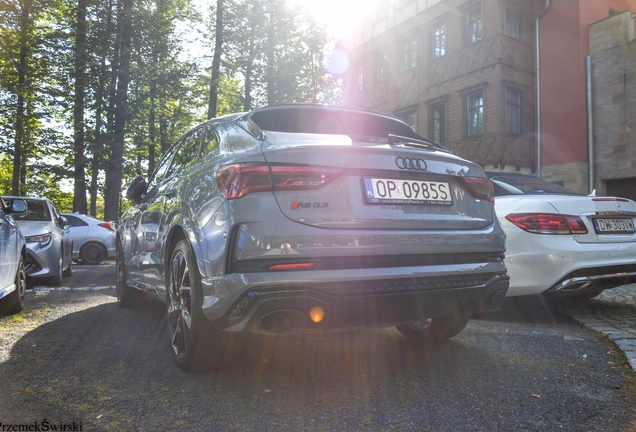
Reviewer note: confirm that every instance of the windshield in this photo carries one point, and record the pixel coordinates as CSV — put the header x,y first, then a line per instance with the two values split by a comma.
x,y
526,185
36,210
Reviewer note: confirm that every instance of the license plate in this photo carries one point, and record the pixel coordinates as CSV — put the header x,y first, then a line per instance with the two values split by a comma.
x,y
613,226
392,191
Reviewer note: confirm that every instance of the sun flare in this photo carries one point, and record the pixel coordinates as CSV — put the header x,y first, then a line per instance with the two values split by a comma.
x,y
339,16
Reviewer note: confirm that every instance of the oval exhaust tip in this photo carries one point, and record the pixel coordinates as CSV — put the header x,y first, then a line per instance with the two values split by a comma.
x,y
497,300
284,322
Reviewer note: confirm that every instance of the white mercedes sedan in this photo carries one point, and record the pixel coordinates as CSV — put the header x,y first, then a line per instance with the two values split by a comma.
x,y
560,243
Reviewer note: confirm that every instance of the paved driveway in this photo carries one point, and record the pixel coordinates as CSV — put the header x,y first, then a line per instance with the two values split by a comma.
x,y
76,356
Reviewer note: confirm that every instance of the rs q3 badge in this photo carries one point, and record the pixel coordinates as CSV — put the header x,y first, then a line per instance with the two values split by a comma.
x,y
301,205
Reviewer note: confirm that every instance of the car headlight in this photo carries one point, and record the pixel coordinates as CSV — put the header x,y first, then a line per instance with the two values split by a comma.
x,y
43,239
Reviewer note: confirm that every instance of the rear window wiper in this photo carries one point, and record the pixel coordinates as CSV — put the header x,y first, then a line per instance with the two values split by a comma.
x,y
414,142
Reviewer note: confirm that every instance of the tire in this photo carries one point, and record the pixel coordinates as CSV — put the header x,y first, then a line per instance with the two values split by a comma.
x,y
57,279
191,335
14,302
93,253
127,296
69,270
436,329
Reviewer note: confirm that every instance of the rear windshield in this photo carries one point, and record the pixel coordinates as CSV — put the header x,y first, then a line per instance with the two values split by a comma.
x,y
330,120
526,185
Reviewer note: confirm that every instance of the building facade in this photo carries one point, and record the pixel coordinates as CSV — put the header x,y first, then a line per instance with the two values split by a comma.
x,y
464,74
613,53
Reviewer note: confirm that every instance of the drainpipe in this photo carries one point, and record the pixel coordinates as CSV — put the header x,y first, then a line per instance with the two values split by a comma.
x,y
590,125
547,4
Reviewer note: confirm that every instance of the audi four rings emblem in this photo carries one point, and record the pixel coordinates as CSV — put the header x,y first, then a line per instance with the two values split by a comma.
x,y
411,164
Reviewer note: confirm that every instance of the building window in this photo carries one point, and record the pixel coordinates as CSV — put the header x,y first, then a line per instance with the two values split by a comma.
x,y
438,37
513,24
475,114
474,25
513,111
437,122
402,3
410,118
359,80
381,10
408,58
381,66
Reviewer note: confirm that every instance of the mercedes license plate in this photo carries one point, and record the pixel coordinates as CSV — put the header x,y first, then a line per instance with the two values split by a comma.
x,y
393,191
613,226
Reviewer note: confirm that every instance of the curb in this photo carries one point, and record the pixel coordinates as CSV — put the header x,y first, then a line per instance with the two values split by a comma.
x,y
612,314
626,342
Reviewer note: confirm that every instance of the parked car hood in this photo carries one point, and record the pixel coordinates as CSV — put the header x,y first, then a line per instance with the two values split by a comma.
x,y
31,228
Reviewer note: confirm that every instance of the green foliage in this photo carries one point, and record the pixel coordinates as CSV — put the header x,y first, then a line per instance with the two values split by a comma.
x,y
6,171
277,46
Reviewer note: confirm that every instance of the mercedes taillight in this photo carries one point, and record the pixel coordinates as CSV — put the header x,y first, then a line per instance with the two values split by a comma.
x,y
548,223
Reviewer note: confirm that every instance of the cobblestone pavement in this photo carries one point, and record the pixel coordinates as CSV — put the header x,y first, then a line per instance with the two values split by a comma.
x,y
613,314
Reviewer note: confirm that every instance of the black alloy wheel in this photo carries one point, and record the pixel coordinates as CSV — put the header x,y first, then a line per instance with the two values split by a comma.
x,y
92,253
69,269
57,279
190,333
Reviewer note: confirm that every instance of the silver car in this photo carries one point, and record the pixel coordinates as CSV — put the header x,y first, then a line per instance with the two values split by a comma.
x,y
93,239
48,240
12,254
306,218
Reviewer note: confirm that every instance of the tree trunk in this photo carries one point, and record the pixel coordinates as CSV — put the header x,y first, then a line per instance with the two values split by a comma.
x,y
271,43
216,61
81,81
98,143
115,165
17,182
251,53
152,130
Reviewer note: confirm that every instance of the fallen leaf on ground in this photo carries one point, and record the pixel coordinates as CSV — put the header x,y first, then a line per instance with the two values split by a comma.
x,y
611,352
536,396
268,391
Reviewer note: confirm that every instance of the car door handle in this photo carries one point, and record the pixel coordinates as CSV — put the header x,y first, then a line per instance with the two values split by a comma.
x,y
171,193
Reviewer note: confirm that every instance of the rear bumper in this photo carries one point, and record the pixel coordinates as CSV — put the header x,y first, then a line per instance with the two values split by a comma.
x,y
541,263
349,299
594,278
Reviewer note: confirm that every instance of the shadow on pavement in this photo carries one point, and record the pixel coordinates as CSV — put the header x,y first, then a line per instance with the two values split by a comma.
x,y
111,369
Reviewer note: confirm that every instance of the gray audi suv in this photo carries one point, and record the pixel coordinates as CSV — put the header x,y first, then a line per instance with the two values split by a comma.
x,y
305,218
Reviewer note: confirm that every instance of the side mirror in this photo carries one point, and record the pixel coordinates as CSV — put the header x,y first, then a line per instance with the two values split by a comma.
x,y
18,206
137,190
63,222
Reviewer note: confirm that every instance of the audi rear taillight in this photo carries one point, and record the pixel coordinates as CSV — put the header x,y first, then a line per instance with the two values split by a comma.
x,y
548,223
479,187
238,180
